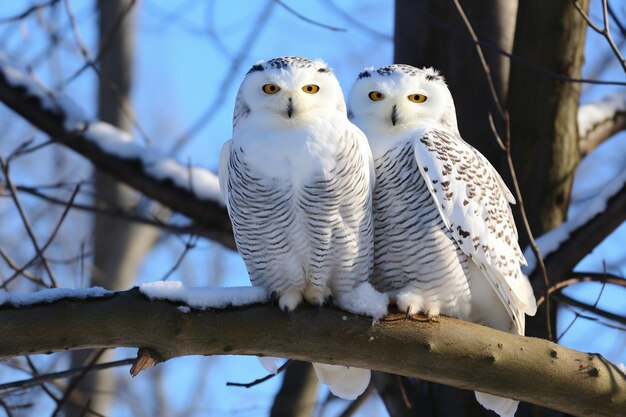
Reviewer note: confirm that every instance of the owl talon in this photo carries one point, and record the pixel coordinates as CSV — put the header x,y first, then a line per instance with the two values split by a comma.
x,y
329,301
318,307
408,313
287,313
273,297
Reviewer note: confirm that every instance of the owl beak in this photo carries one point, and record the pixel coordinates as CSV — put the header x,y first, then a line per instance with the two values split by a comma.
x,y
289,107
394,115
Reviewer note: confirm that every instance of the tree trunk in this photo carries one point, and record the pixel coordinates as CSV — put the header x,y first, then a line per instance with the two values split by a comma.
x,y
543,110
119,245
297,396
431,33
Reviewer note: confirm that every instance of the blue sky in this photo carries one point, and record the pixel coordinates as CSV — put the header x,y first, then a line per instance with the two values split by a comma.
x,y
181,70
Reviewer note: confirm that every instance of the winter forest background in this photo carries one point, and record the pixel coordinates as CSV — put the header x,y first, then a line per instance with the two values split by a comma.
x,y
168,72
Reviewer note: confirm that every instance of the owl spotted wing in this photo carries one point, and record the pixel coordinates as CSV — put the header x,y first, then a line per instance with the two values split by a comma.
x,y
474,204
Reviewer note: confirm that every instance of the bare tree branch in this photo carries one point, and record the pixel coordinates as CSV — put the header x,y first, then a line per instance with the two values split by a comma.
x,y
591,308
583,239
50,118
579,277
42,379
32,9
448,351
600,120
604,31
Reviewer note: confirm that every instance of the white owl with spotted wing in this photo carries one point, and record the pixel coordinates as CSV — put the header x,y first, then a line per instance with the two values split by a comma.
x,y
297,179
445,240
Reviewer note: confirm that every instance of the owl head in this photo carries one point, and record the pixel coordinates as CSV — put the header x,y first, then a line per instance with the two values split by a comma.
x,y
288,91
397,97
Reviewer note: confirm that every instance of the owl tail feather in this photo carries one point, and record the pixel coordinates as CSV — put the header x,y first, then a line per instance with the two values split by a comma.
x,y
504,407
344,381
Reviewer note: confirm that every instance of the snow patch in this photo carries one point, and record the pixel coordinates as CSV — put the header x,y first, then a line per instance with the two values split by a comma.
x,y
592,114
365,300
55,102
184,309
114,141
552,240
203,297
20,299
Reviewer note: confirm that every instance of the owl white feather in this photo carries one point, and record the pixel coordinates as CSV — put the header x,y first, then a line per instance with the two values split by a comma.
x,y
297,179
445,240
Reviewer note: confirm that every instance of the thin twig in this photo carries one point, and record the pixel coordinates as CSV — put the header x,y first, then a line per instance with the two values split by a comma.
x,y
5,169
189,244
6,408
306,19
504,114
356,22
604,31
584,277
494,48
587,307
43,378
104,45
29,11
229,78
25,149
481,57
591,308
155,222
66,210
123,105
260,380
19,271
72,386
619,24
35,372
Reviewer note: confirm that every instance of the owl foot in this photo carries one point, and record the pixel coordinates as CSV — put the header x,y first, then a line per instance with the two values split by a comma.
x,y
289,300
410,303
273,297
315,294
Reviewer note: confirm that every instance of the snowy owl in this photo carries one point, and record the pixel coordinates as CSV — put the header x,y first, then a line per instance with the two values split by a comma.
x,y
297,179
445,240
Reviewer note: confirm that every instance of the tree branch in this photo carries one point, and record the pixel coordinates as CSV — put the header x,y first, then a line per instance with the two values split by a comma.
x,y
54,115
600,120
447,350
582,238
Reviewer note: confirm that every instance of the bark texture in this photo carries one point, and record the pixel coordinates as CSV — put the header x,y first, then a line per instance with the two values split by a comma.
x,y
543,110
447,350
297,396
431,33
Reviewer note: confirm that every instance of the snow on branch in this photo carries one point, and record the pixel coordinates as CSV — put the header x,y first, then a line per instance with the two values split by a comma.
x,y
564,246
192,191
445,350
600,120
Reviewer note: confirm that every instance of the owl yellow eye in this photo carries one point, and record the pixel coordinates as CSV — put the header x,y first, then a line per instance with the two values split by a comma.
x,y
417,98
376,96
311,89
270,88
